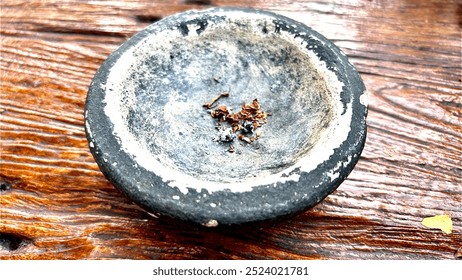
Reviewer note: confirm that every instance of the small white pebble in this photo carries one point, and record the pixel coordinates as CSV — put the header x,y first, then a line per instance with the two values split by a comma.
x,y
211,223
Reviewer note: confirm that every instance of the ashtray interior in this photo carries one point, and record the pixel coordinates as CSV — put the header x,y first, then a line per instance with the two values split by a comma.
x,y
149,129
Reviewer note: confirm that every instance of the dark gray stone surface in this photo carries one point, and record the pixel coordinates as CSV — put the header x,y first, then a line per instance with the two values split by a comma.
x,y
149,120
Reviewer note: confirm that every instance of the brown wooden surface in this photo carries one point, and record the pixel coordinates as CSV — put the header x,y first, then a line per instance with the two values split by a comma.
x,y
56,204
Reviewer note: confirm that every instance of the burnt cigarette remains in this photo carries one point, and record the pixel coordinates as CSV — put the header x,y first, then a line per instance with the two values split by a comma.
x,y
243,123
210,104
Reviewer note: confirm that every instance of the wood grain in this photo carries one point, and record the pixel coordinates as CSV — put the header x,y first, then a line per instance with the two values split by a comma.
x,y
56,204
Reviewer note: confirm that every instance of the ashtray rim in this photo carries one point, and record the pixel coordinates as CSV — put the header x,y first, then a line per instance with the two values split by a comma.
x,y
225,206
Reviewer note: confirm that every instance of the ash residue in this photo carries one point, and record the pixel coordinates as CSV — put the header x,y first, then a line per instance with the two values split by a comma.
x,y
225,134
242,125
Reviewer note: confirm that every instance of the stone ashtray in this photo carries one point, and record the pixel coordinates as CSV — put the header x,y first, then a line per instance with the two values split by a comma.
x,y
226,116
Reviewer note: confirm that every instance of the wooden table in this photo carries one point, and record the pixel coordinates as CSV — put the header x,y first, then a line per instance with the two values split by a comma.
x,y
56,204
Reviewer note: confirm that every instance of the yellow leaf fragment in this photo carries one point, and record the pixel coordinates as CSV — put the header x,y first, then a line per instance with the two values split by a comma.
x,y
442,222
